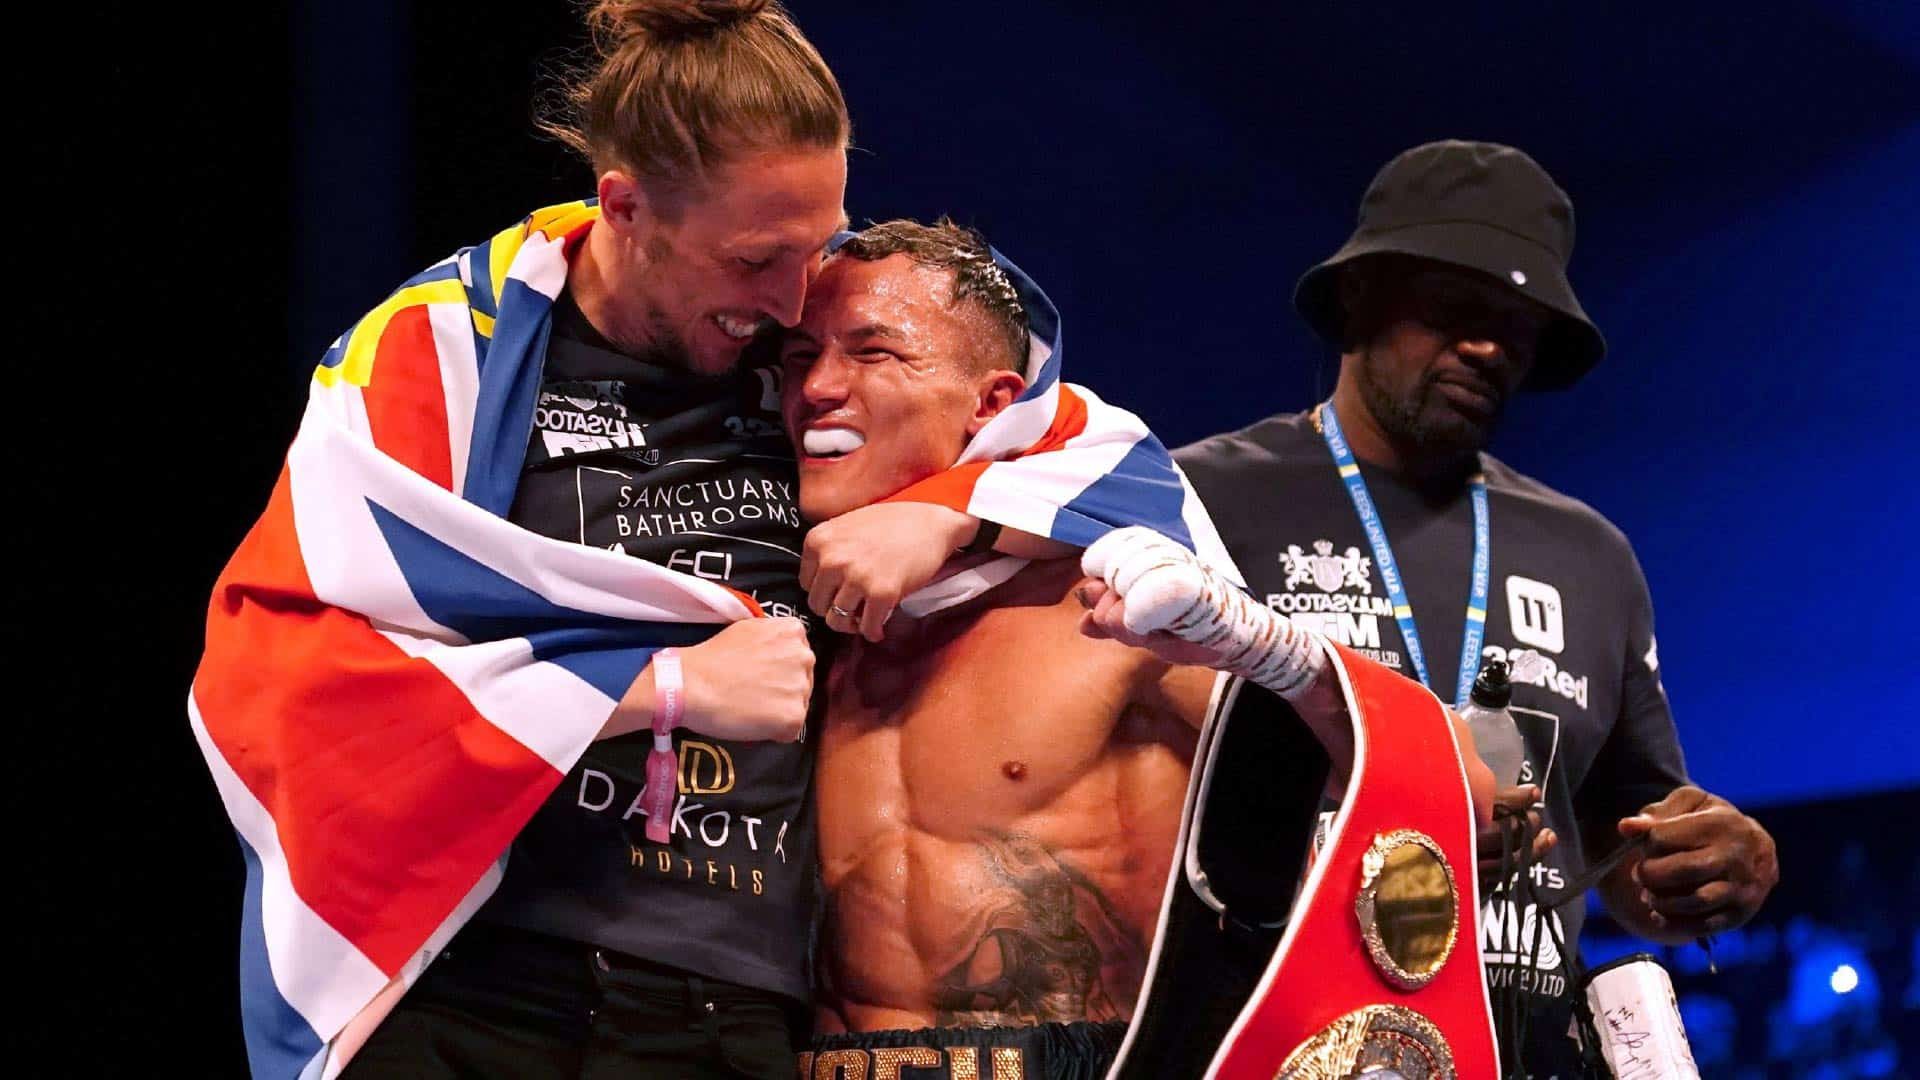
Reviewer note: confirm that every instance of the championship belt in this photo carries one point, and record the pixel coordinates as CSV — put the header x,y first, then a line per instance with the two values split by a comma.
x,y
1376,970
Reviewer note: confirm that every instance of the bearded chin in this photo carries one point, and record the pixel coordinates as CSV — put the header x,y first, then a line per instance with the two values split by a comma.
x,y
656,342
665,346
1421,420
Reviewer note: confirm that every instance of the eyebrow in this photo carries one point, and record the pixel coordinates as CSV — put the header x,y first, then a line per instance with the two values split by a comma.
x,y
784,246
873,330
858,333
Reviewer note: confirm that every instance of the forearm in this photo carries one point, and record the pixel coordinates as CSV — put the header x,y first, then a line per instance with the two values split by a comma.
x,y
1026,545
1265,647
1159,596
1253,642
635,709
979,534
1321,706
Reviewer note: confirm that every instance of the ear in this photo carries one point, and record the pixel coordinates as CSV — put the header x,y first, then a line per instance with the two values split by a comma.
x,y
623,203
996,390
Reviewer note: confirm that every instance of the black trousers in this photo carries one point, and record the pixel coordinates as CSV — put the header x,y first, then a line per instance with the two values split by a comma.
x,y
505,1003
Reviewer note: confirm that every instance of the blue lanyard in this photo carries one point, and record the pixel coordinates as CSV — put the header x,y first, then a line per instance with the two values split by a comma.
x,y
1476,631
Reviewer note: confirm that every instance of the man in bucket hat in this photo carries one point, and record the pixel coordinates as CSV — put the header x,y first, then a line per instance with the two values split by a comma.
x,y
1376,517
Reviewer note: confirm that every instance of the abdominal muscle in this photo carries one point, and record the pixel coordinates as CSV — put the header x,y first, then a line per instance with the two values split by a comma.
x,y
998,806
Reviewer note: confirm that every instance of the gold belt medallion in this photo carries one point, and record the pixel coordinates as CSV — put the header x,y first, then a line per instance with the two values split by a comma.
x,y
1379,1042
1408,907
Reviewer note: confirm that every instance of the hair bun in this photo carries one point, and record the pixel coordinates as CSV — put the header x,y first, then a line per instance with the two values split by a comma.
x,y
618,21
671,90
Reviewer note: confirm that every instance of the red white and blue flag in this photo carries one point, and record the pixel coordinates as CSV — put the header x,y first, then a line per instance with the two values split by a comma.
x,y
396,677
1059,462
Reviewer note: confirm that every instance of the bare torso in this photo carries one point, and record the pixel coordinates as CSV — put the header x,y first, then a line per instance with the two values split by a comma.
x,y
998,803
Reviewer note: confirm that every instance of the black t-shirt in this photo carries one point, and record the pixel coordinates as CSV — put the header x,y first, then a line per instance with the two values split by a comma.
x,y
1600,738
692,473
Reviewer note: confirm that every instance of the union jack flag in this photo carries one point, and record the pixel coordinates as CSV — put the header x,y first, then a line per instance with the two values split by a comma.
x,y
395,676
1061,463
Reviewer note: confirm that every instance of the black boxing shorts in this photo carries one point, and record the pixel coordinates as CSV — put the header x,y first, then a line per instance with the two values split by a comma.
x,y
1078,1051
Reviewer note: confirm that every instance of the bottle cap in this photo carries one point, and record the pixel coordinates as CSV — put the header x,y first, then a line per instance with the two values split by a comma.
x,y
1492,688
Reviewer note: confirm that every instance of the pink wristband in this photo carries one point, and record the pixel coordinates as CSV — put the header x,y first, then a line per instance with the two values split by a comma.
x,y
669,693
669,701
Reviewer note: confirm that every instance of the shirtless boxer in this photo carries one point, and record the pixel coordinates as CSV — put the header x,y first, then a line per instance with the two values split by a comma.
x,y
998,792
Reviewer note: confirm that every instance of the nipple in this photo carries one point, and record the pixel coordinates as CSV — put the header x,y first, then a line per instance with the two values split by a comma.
x,y
1014,770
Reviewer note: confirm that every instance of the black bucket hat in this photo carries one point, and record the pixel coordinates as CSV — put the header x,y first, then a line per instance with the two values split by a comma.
x,y
1481,206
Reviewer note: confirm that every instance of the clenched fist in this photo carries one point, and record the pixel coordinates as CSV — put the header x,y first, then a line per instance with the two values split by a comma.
x,y
1155,580
750,682
857,567
1156,588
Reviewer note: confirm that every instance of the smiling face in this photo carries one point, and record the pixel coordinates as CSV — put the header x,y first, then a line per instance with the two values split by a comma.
x,y
691,280
1441,351
885,380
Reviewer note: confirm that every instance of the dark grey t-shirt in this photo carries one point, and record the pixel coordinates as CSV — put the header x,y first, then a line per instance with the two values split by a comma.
x,y
1599,735
695,474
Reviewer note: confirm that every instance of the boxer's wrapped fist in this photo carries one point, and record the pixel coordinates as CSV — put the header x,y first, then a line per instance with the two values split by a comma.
x,y
1158,587
1158,580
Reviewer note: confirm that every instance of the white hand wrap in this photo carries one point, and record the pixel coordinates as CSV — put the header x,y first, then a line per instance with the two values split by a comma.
x,y
1167,588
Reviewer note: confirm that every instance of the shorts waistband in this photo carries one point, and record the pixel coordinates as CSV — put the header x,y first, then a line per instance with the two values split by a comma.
x,y
1081,1050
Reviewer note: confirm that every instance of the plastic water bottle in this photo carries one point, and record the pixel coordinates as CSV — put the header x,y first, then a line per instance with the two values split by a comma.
x,y
1494,733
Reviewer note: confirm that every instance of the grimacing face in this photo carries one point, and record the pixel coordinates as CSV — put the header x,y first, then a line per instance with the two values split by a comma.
x,y
1448,350
736,261
884,380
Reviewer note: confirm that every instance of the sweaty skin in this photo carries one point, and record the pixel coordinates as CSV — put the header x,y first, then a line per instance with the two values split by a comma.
x,y
999,797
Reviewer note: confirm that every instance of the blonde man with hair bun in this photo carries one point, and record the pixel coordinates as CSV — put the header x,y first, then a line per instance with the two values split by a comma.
x,y
717,137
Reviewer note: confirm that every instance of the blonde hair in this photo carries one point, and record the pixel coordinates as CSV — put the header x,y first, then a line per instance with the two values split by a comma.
x,y
677,88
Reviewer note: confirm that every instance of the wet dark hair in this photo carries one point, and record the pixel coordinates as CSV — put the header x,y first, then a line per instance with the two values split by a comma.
x,y
964,253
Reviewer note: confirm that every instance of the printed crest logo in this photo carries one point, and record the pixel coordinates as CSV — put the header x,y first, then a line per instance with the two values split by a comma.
x,y
1325,570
